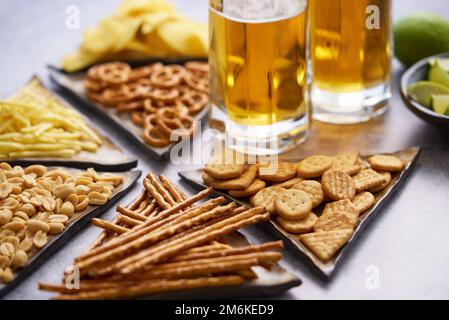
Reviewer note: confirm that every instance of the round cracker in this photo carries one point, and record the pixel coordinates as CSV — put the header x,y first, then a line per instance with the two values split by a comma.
x,y
313,189
224,170
384,162
298,226
338,185
265,198
314,166
381,187
293,204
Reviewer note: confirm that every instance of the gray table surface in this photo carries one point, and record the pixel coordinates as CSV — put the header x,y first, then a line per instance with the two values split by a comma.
x,y
403,254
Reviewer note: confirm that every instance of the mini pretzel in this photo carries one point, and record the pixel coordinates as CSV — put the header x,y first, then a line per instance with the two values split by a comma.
x,y
137,118
140,72
197,83
130,106
114,72
169,120
167,77
117,95
197,67
195,101
152,134
165,95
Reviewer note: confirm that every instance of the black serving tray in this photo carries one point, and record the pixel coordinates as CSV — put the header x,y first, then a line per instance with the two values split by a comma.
x,y
72,83
76,222
324,270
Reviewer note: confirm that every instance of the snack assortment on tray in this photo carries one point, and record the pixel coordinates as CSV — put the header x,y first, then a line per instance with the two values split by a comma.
x,y
160,98
37,202
341,187
34,123
140,30
164,241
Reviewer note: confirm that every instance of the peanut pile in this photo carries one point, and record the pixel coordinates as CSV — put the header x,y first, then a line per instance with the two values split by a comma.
x,y
37,201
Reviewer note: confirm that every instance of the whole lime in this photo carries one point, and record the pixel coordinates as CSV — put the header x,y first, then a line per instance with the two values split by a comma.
x,y
419,36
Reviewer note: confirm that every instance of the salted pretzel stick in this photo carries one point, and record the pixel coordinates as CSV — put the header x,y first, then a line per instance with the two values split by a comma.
x,y
151,287
171,188
130,236
135,204
108,226
155,194
155,182
152,206
229,252
130,213
198,270
154,237
147,257
144,204
128,221
86,285
164,242
207,248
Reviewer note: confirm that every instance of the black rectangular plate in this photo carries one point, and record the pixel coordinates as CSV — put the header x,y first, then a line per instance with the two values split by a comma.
x,y
73,84
55,242
324,270
108,156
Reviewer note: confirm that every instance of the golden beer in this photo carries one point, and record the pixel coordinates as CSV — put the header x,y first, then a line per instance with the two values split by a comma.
x,y
258,65
350,47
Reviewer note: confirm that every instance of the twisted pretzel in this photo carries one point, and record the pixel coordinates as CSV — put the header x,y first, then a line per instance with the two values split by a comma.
x,y
169,120
194,101
152,134
114,72
197,83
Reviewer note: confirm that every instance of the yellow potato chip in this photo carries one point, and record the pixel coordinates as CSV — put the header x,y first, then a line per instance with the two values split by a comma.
x,y
137,7
183,38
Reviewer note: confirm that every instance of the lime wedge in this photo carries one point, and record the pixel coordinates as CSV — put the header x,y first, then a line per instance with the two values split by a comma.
x,y
438,73
444,63
422,91
440,103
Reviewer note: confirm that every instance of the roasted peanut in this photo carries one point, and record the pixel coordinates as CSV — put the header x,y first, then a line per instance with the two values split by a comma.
x,y
7,249
28,208
96,198
5,166
7,275
83,202
38,169
20,259
40,239
64,190
37,225
81,190
56,227
5,190
67,209
4,261
49,203
5,216
26,244
22,215
61,218
28,181
73,198
14,225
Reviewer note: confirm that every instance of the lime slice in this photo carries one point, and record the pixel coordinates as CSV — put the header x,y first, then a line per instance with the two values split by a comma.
x,y
440,103
422,91
444,63
438,73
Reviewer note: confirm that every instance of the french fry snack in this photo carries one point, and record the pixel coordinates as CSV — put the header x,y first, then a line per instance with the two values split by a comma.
x,y
33,124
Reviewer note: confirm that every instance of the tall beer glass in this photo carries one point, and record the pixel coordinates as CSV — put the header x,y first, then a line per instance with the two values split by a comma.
x,y
258,73
351,59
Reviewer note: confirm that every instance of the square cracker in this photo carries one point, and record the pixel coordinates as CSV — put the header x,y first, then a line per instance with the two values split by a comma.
x,y
324,244
240,183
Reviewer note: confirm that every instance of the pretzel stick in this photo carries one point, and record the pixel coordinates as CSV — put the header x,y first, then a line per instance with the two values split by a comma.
x,y
151,287
135,204
150,208
118,241
86,285
144,204
207,248
130,213
167,196
108,226
198,270
171,188
147,256
230,252
128,221
161,244
155,194
156,236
